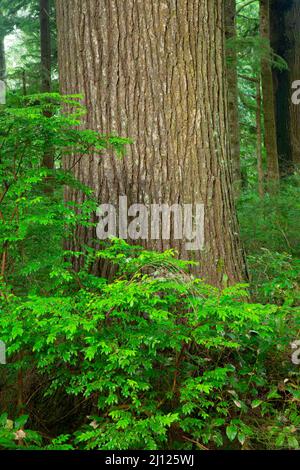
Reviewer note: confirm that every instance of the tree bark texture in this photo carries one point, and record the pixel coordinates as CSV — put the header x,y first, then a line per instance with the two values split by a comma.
x,y
154,71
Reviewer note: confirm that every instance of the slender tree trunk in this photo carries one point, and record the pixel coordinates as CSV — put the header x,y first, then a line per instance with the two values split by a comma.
x,y
45,36
260,170
154,71
2,59
268,98
45,42
232,80
24,84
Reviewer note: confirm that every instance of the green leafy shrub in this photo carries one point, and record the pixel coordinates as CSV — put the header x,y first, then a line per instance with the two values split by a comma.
x,y
152,358
164,360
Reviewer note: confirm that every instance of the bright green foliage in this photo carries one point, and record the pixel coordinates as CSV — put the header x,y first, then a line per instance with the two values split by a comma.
x,y
32,225
163,358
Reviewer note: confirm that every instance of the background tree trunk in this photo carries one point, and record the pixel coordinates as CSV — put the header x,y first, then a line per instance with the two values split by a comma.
x,y
232,80
260,169
268,98
283,44
154,71
45,46
2,59
45,36
292,24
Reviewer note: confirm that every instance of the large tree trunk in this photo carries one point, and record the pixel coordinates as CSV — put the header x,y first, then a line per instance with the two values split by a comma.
x,y
268,98
232,80
154,71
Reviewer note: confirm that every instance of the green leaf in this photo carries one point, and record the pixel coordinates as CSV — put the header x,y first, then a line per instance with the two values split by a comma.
x,y
241,438
20,422
280,440
293,442
3,419
256,403
231,431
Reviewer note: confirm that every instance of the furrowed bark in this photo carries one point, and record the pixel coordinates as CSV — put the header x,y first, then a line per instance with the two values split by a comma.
x,y
154,71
